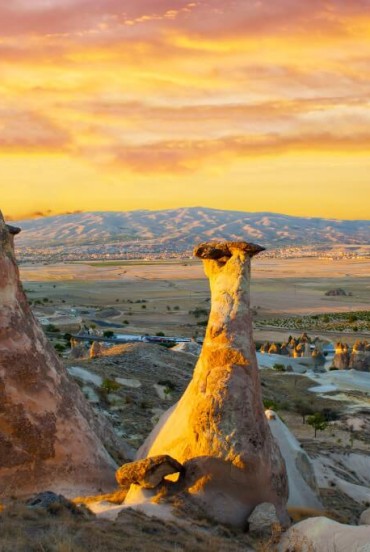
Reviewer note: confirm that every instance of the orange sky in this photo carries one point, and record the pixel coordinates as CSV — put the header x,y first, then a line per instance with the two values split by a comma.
x,y
253,105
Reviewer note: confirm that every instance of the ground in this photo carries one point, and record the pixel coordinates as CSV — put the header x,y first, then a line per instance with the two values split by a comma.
x,y
162,297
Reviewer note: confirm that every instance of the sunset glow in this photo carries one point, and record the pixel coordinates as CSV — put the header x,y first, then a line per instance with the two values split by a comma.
x,y
151,104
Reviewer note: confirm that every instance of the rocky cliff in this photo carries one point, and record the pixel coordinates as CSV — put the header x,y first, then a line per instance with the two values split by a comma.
x,y
49,436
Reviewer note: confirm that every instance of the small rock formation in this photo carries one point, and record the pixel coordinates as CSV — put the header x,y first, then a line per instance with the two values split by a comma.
x,y
263,521
148,473
318,357
360,356
218,430
365,517
96,349
341,357
49,436
339,292
79,351
57,504
324,534
274,349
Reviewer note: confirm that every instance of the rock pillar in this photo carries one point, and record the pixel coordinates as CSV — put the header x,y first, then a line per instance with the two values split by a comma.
x,y
49,436
218,429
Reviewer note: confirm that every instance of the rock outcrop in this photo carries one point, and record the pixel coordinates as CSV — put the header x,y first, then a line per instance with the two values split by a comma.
x,y
218,430
360,356
148,473
341,357
323,534
49,436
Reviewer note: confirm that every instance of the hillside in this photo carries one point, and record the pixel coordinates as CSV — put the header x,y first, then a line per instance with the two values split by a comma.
x,y
178,230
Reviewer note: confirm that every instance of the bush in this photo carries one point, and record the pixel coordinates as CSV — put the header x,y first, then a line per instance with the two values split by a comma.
x,y
108,333
279,367
109,385
52,328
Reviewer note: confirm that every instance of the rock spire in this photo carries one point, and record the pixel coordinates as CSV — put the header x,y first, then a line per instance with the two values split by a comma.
x,y
49,436
218,430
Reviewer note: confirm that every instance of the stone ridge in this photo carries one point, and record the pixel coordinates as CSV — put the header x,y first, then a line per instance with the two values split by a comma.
x,y
219,251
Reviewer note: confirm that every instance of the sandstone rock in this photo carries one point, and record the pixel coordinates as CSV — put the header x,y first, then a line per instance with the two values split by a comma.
x,y
341,357
274,349
57,504
96,349
263,521
148,473
365,517
322,534
78,351
265,347
49,436
218,430
360,357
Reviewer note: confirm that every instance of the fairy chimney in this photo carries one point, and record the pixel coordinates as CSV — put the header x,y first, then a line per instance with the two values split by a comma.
x,y
49,436
218,429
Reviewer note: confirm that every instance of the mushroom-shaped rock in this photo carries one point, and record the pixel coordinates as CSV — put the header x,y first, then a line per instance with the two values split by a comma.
x,y
218,429
148,473
49,436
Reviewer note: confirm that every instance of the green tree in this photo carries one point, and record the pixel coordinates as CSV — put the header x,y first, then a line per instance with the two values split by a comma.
x,y
318,422
303,409
108,333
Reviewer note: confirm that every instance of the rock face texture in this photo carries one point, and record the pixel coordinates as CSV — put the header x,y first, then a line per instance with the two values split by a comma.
x,y
218,429
49,436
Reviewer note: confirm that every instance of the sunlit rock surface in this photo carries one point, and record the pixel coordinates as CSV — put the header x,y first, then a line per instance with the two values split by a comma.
x,y
49,436
218,429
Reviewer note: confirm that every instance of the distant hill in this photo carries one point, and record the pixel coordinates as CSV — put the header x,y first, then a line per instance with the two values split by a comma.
x,y
180,229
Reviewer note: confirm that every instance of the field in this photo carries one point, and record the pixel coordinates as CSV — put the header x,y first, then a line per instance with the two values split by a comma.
x,y
159,296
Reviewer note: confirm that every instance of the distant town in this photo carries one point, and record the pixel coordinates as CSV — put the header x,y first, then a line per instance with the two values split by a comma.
x,y
154,252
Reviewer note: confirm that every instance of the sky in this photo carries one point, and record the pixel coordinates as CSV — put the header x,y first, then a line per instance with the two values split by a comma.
x,y
154,104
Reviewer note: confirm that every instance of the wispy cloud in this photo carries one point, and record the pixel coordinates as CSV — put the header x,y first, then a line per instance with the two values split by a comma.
x,y
154,88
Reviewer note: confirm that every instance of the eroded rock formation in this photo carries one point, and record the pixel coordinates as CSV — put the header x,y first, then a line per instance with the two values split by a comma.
x,y
360,356
49,436
341,357
148,473
218,430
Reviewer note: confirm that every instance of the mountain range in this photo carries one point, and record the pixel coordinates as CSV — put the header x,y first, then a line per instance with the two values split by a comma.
x,y
180,229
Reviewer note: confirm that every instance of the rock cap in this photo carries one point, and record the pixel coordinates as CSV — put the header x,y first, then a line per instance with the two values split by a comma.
x,y
222,251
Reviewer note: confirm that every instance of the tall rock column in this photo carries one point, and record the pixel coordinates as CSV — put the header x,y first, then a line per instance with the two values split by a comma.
x,y
49,436
218,429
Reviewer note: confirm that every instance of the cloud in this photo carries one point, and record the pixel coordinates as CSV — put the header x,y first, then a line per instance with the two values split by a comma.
x,y
189,156
30,131
202,16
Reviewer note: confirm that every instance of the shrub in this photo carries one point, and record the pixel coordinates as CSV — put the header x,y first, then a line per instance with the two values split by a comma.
x,y
279,367
109,385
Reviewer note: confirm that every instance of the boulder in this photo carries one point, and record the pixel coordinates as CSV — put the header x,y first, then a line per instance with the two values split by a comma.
x,y
148,473
263,521
49,436
325,535
365,517
218,430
